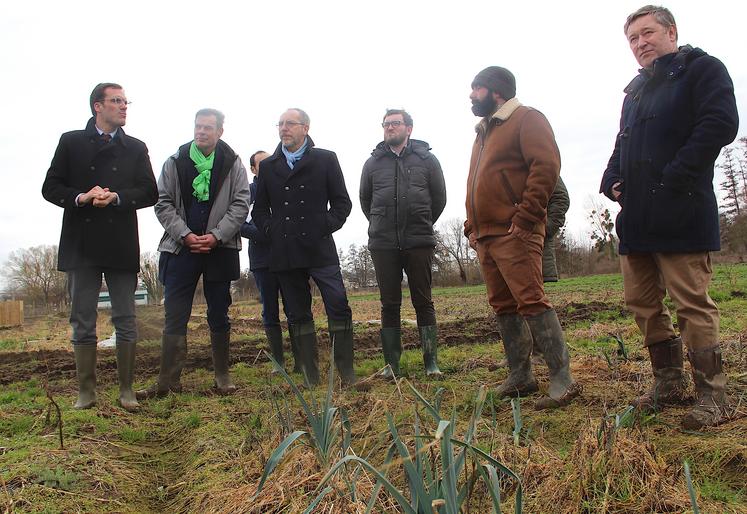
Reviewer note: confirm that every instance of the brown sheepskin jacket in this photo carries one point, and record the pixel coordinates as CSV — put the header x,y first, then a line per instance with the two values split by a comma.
x,y
514,168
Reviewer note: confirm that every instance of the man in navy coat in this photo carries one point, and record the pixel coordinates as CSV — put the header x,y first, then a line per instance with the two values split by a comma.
x,y
677,115
301,201
100,176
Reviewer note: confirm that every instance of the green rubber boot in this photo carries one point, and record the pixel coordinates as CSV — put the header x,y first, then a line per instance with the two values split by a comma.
x,y
305,337
125,373
391,346
219,342
341,332
173,357
428,341
85,368
517,343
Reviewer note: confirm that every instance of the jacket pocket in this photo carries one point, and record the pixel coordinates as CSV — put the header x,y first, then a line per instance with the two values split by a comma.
x,y
671,213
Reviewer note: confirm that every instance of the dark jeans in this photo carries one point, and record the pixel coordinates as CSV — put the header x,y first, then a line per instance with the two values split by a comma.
x,y
84,285
180,274
269,293
295,286
417,263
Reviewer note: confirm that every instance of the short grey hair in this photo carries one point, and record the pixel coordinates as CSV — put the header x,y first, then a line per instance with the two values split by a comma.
x,y
662,15
219,116
304,117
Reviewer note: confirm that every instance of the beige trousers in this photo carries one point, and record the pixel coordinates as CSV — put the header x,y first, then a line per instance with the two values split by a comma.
x,y
648,277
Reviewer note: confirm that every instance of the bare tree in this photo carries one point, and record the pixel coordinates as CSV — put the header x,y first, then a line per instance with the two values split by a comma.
x,y
450,241
602,229
357,266
149,276
33,273
733,194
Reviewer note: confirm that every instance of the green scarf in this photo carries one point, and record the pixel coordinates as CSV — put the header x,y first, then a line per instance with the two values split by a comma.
x,y
201,183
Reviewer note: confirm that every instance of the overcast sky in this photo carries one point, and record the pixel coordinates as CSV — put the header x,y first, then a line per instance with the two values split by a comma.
x,y
343,62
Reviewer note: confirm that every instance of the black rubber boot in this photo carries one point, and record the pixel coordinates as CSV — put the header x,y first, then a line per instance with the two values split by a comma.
x,y
219,341
275,340
125,373
548,335
517,343
297,368
391,345
305,336
712,406
670,381
173,357
85,368
341,333
429,343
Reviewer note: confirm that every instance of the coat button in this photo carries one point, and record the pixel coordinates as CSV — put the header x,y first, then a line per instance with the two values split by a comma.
x,y
287,218
302,186
303,233
302,218
285,235
114,168
285,203
301,202
93,168
88,220
287,188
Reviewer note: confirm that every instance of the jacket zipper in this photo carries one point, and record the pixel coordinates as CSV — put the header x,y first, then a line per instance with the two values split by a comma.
x,y
474,186
507,185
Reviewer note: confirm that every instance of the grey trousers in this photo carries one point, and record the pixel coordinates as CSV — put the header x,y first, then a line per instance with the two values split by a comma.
x,y
84,286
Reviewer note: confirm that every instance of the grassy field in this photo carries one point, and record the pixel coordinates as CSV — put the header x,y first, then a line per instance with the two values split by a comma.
x,y
199,452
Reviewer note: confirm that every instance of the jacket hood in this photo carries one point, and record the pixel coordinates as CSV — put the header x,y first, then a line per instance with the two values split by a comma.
x,y
502,114
416,146
671,65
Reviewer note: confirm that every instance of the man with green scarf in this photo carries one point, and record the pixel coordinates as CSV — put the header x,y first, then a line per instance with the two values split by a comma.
x,y
203,201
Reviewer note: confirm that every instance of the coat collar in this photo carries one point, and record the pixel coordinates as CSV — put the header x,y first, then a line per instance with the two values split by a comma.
x,y
416,146
278,153
668,66
93,134
501,115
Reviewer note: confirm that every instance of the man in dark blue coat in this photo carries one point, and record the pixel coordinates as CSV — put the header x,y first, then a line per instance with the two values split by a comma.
x,y
100,176
301,201
258,247
677,115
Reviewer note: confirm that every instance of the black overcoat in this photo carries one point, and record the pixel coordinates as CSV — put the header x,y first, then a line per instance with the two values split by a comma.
x,y
675,120
92,236
299,209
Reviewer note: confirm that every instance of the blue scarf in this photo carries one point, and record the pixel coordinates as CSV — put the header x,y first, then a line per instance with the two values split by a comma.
x,y
292,157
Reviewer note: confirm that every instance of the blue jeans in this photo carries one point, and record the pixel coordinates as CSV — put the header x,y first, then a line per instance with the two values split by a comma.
x,y
269,294
295,286
180,274
84,286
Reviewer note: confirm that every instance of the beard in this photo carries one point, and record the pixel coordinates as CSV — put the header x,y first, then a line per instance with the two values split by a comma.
x,y
395,139
484,107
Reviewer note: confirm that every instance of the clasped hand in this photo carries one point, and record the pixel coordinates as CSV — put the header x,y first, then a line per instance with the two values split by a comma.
x,y
98,196
200,244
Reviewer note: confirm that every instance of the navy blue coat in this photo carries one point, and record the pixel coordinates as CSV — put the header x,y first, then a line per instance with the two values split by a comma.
x,y
299,209
92,236
675,120
258,244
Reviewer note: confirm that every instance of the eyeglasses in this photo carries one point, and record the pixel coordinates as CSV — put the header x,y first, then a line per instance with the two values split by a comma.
x,y
289,124
394,124
117,100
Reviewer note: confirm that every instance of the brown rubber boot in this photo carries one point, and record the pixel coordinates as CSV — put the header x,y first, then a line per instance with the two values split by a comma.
x,y
219,342
173,357
517,343
670,381
712,406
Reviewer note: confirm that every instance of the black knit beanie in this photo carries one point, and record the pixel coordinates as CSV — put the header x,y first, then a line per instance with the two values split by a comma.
x,y
498,80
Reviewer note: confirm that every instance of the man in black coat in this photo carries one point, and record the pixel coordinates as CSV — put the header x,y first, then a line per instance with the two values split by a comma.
x,y
402,194
677,115
100,176
301,201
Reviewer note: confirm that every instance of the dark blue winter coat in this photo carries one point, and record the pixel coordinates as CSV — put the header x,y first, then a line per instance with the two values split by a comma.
x,y
299,209
675,120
